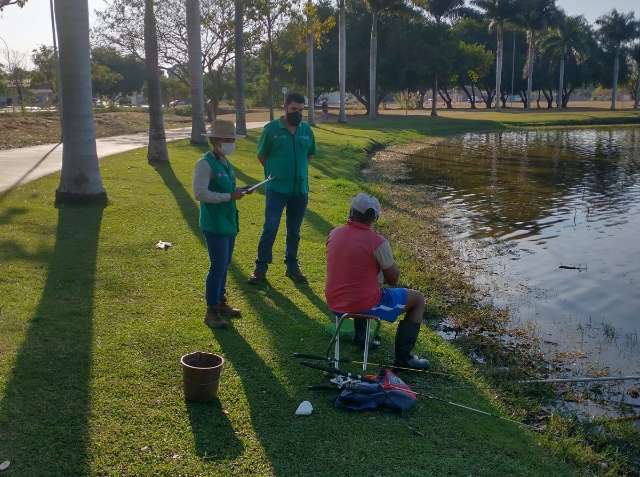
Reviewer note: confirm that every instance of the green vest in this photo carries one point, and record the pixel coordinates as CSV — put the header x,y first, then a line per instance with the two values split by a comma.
x,y
220,218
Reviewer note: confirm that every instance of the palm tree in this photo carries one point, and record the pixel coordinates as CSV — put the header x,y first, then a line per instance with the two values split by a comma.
x,y
195,70
568,37
157,149
241,117
441,10
342,60
635,55
498,12
616,30
376,7
80,179
535,16
311,93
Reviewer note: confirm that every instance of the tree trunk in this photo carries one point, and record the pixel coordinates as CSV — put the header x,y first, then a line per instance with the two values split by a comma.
x,y
434,96
561,83
530,61
446,97
80,179
342,62
373,63
241,116
270,66
614,90
538,100
636,102
473,96
499,54
548,97
195,70
311,94
565,97
157,149
420,101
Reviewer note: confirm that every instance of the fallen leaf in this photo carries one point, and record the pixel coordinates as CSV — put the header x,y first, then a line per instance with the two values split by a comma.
x,y
5,465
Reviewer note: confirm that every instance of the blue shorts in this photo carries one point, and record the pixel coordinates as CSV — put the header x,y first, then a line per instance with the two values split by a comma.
x,y
392,304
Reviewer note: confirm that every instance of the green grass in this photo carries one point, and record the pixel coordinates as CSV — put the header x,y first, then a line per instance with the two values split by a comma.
x,y
94,319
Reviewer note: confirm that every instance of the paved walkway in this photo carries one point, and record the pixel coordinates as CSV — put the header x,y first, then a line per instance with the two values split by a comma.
x,y
24,164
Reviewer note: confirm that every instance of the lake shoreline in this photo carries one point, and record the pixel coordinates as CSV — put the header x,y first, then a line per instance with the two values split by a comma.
x,y
415,220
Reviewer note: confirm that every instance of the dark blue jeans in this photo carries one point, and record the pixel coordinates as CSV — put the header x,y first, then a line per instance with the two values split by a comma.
x,y
275,203
220,249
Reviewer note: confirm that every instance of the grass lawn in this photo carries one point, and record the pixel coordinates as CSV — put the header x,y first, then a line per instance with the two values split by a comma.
x,y
94,319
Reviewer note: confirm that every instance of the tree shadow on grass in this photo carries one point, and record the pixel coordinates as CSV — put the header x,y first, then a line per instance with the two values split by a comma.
x,y
185,202
213,434
45,409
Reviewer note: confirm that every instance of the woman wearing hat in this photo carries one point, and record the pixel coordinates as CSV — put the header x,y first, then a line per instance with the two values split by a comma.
x,y
214,185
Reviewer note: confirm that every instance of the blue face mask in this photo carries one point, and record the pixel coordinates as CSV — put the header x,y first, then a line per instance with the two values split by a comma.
x,y
228,148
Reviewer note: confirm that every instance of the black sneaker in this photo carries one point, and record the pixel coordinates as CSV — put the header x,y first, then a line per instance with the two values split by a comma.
x,y
257,278
373,344
296,276
414,362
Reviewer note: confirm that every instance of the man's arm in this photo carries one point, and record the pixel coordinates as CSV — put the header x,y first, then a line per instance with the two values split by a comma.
x,y
263,146
391,275
384,257
312,146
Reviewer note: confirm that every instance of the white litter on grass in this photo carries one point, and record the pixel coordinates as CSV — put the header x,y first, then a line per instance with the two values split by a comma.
x,y
162,245
304,409
4,466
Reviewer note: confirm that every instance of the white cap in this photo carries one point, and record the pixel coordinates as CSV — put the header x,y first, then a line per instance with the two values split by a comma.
x,y
363,202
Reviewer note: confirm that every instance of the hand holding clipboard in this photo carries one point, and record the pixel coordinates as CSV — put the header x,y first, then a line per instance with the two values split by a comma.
x,y
249,190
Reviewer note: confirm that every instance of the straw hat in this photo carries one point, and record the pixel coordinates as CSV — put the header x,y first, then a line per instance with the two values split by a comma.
x,y
222,129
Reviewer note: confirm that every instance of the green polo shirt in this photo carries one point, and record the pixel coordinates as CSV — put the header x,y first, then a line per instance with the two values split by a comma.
x,y
286,156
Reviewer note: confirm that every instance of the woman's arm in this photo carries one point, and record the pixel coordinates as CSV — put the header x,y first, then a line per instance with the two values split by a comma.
x,y
201,178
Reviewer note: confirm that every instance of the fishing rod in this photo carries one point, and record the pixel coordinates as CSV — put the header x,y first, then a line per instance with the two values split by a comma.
x,y
377,365
351,378
579,380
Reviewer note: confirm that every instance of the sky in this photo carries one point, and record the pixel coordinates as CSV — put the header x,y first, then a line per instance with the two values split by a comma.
x,y
24,29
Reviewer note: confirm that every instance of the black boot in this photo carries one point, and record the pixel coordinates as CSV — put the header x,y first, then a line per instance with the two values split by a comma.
x,y
360,333
406,337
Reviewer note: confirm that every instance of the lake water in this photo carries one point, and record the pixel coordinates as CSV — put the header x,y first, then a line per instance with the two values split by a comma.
x,y
525,204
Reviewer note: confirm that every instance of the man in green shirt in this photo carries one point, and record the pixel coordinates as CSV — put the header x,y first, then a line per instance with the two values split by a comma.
x,y
285,149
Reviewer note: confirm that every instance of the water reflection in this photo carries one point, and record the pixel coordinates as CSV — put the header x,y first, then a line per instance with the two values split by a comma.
x,y
536,200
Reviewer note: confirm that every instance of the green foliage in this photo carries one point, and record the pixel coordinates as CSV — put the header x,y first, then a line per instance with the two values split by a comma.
x,y
128,71
104,80
183,110
616,30
46,62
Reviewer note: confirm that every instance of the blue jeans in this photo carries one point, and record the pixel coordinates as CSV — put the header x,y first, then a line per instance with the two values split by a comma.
x,y
220,249
275,203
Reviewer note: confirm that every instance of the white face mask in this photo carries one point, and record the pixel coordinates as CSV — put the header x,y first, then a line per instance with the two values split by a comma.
x,y
228,148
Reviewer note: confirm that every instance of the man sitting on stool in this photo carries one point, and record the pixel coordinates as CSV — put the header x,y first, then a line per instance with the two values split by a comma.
x,y
356,257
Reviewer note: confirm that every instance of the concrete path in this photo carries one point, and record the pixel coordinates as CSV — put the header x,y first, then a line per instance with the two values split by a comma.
x,y
25,164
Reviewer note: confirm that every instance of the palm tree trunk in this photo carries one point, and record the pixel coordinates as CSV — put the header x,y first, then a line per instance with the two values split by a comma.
x,y
561,83
373,63
311,87
195,70
499,54
270,68
241,116
157,149
80,179
342,62
614,90
530,60
434,96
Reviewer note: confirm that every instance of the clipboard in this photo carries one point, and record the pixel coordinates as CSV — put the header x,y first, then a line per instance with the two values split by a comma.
x,y
259,184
